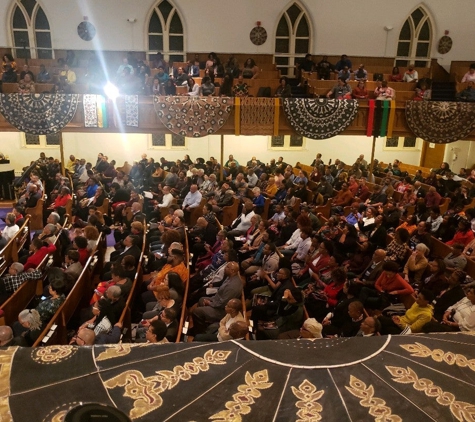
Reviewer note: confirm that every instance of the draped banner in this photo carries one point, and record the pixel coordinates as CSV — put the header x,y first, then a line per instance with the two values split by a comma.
x,y
318,118
440,122
39,114
381,117
95,111
257,115
410,378
193,117
132,110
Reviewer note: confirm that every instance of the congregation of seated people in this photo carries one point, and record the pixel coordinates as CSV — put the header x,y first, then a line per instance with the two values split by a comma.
x,y
338,250
216,76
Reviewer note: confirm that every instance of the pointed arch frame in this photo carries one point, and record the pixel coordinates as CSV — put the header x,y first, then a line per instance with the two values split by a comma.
x,y
31,29
165,30
292,55
412,58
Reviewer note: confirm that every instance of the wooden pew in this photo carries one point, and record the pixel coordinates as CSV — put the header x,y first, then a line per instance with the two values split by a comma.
x,y
126,316
230,213
197,212
10,251
20,299
36,220
55,332
184,317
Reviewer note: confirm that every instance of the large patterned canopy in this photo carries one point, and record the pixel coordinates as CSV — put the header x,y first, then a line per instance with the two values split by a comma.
x,y
193,117
411,378
440,122
318,118
39,114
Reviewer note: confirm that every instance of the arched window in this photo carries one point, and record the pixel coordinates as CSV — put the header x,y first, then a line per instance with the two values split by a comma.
x,y
165,32
292,39
415,40
30,31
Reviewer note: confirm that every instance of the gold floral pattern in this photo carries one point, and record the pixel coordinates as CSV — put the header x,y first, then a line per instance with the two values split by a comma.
x,y
146,390
51,355
245,397
450,358
309,408
118,350
461,410
6,358
377,406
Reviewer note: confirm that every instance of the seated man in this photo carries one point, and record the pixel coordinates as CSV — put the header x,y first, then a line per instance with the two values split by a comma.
x,y
220,331
211,310
16,276
418,315
369,327
340,91
458,317
468,94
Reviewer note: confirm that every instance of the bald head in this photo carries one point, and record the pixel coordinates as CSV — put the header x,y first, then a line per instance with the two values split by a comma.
x,y
235,304
85,337
238,330
379,255
6,334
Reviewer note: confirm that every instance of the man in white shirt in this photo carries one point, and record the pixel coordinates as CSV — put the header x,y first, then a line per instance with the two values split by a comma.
x,y
301,252
410,75
458,317
251,178
167,198
240,225
192,198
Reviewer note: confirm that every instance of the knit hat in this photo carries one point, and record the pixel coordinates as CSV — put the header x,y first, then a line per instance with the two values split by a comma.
x,y
313,327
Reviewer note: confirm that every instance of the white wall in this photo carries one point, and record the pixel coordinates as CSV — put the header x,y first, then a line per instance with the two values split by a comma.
x,y
130,147
340,26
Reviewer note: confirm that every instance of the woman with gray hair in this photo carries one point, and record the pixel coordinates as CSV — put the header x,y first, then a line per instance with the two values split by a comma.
x,y
28,327
11,228
416,264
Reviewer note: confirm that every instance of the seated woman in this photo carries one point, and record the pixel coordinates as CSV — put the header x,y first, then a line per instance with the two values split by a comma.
x,y
226,88
193,88
423,93
258,201
26,85
28,327
398,248
416,264
103,319
284,90
92,235
384,92
302,177
322,298
207,87
360,92
164,300
386,289
8,63
48,307
396,75
470,75
250,70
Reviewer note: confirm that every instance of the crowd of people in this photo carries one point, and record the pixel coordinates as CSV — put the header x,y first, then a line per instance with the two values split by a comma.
x,y
135,76
365,270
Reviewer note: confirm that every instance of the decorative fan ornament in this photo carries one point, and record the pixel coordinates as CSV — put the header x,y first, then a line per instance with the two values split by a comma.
x,y
258,35
445,44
